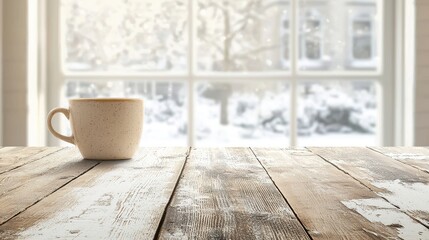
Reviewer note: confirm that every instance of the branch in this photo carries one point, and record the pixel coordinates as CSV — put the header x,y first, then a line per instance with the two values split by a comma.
x,y
213,43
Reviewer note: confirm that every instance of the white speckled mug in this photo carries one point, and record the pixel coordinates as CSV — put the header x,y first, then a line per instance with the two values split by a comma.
x,y
103,128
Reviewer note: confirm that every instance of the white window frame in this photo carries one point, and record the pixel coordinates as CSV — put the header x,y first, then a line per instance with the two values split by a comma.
x,y
382,77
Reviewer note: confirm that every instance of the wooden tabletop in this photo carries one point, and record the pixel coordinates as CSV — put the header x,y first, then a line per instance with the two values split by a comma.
x,y
217,193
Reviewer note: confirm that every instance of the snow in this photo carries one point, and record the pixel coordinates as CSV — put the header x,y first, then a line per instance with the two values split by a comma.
x,y
247,114
257,115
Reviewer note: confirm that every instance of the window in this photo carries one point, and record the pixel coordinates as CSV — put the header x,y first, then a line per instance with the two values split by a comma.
x,y
284,45
362,44
362,47
330,112
310,55
231,73
123,36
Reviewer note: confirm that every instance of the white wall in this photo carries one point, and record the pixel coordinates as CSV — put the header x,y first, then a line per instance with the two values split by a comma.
x,y
422,74
1,74
14,43
36,73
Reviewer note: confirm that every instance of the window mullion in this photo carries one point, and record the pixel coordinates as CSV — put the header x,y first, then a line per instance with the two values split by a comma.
x,y
167,78
191,40
327,78
293,60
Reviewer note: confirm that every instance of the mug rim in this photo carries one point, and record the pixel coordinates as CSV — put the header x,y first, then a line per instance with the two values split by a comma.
x,y
104,99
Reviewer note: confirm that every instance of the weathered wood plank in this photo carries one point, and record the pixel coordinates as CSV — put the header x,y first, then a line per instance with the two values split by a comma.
x,y
7,149
22,187
417,157
226,194
402,185
114,200
15,157
326,200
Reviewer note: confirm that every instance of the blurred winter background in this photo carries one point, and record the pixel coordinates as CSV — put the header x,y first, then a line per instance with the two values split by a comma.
x,y
231,72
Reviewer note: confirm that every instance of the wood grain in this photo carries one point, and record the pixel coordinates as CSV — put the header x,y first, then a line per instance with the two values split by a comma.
x,y
114,200
15,157
226,194
22,187
402,185
326,200
417,157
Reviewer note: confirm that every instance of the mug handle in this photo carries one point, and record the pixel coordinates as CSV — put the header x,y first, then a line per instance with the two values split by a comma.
x,y
51,114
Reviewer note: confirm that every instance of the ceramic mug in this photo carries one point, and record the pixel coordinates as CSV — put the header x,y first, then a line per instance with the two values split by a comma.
x,y
103,128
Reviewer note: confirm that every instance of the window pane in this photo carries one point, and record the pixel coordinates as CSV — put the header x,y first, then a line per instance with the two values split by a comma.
x,y
310,41
165,119
338,35
362,48
362,40
337,113
124,35
242,114
242,35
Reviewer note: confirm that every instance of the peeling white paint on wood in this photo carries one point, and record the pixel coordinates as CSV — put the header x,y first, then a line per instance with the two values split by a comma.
x,y
114,200
401,184
405,156
377,210
417,157
412,197
121,198
315,190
